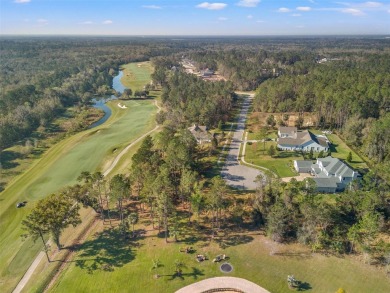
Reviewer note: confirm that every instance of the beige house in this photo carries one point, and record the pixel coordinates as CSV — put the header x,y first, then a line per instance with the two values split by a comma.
x,y
200,133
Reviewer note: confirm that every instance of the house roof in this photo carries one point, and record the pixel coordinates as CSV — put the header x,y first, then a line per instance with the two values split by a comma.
x,y
326,182
335,166
287,129
302,137
304,163
199,132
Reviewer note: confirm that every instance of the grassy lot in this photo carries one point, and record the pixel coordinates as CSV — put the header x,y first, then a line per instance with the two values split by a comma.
x,y
136,75
107,262
282,165
341,150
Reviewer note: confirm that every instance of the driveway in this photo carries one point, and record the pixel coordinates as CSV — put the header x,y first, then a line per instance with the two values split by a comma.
x,y
236,175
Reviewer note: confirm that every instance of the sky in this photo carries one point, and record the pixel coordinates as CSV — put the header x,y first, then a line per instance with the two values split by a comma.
x,y
192,17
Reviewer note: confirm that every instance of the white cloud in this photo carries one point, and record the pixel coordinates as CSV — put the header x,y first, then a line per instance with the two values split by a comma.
x,y
248,3
296,14
303,8
249,16
222,18
371,4
87,22
352,11
388,11
42,21
300,26
260,21
212,6
284,10
22,1
107,21
151,6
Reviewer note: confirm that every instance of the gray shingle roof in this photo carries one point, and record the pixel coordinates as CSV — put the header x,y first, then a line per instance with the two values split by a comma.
x,y
326,182
304,163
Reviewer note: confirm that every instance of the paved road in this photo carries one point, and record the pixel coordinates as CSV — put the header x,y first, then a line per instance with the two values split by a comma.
x,y
223,283
236,175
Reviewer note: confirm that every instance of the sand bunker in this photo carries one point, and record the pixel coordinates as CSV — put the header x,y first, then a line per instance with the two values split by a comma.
x,y
121,106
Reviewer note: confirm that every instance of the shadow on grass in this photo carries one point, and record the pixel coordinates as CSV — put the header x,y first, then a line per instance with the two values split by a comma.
x,y
283,155
300,255
7,159
233,240
195,273
107,251
303,286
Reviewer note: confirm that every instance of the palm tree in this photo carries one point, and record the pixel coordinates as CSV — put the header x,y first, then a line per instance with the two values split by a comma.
x,y
179,265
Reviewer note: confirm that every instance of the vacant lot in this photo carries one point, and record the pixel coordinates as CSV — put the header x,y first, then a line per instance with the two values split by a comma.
x,y
107,262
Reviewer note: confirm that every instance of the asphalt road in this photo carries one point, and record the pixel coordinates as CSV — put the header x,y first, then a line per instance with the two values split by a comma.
x,y
236,175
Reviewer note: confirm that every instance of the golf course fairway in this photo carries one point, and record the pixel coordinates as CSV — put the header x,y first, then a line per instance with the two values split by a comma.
x,y
89,150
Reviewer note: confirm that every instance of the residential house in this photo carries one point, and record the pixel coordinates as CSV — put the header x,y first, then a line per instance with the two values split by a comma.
x,y
200,133
206,73
290,139
329,174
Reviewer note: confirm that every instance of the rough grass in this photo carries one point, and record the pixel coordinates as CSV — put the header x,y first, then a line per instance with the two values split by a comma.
x,y
136,75
107,262
59,167
281,165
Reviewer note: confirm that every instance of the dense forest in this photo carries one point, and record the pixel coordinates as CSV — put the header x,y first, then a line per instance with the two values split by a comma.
x,y
189,99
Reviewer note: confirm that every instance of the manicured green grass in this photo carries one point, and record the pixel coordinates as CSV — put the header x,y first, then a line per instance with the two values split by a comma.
x,y
107,262
136,75
59,167
282,165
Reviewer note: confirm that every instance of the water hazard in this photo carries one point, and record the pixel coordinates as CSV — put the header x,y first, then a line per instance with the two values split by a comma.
x,y
100,103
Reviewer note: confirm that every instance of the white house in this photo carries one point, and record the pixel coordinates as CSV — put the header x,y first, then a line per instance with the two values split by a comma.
x,y
290,139
330,174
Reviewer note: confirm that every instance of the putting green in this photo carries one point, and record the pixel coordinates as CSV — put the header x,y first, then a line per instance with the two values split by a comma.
x,y
59,167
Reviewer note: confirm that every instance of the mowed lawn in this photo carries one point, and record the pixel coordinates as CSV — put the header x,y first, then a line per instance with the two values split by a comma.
x,y
107,262
136,75
282,164
59,167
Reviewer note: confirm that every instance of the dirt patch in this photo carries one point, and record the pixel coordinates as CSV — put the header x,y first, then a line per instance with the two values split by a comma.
x,y
258,119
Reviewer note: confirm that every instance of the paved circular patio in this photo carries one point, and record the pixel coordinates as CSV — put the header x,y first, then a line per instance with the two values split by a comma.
x,y
223,283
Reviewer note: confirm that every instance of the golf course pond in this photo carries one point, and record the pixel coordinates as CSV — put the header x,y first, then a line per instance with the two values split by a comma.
x,y
100,103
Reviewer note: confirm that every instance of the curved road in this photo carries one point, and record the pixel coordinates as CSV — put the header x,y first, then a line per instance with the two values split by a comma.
x,y
236,175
